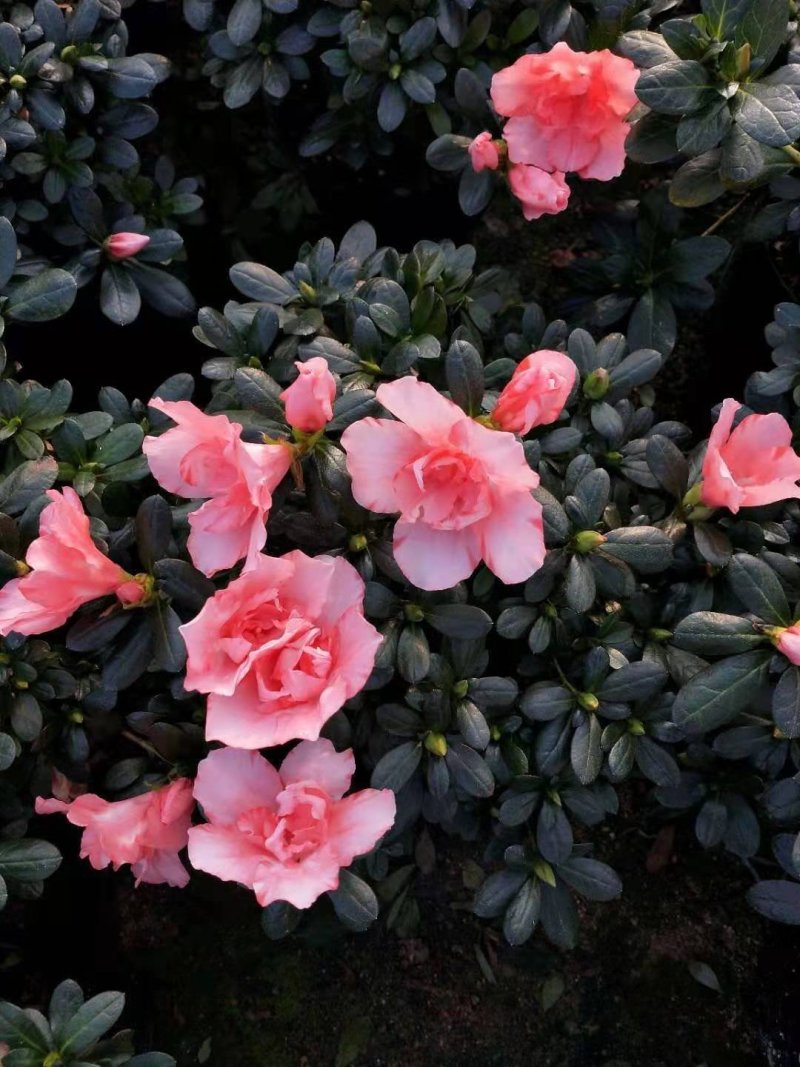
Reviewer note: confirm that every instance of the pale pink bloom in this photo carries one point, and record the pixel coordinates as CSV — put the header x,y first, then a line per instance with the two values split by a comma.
x,y
67,570
147,831
203,456
789,643
309,399
567,110
537,392
539,192
124,245
285,834
463,491
483,153
752,465
280,649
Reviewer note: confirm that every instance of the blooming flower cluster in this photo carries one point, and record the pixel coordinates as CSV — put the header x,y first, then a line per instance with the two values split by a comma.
x,y
278,651
566,112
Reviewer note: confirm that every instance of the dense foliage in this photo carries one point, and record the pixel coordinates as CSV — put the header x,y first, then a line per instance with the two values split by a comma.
x,y
499,592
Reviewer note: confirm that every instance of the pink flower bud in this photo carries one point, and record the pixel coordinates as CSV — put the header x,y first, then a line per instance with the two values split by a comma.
x,y
537,392
539,193
125,245
789,643
309,399
483,153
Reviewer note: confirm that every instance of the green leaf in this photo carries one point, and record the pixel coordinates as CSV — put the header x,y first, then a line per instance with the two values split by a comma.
x,y
27,482
777,900
702,973
470,772
279,919
716,695
710,633
758,587
697,182
652,323
786,703
591,878
652,139
522,914
764,25
770,114
676,88
16,1027
496,891
463,621
67,997
120,300
586,754
91,1021
646,548
44,297
464,373
354,902
28,860
119,444
394,769
723,16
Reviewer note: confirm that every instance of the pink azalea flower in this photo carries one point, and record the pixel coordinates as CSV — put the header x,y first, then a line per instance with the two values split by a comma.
x,y
567,110
285,834
124,245
203,456
463,491
789,643
483,153
536,395
67,571
539,192
147,831
309,399
751,465
280,649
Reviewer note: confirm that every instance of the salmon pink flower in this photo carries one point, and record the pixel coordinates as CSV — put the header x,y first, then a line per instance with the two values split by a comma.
x,y
789,643
483,153
146,831
567,110
539,192
67,571
536,395
285,834
463,491
203,457
124,245
280,649
309,399
751,465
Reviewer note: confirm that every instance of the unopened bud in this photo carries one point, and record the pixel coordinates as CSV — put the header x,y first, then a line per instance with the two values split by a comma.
x,y
70,54
544,872
395,71
413,612
596,384
588,701
460,689
308,292
357,543
124,245
17,81
436,744
587,541
636,727
22,568
657,634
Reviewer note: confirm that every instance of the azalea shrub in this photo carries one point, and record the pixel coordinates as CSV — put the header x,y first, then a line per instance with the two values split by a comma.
x,y
74,1031
403,559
